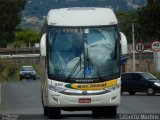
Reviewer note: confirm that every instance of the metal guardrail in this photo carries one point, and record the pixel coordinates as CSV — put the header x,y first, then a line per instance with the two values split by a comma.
x,y
13,51
20,56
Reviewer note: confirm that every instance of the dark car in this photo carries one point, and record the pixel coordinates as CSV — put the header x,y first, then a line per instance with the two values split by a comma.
x,y
133,82
27,72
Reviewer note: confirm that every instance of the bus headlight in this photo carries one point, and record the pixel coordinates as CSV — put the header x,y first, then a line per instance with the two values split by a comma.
x,y
115,87
55,88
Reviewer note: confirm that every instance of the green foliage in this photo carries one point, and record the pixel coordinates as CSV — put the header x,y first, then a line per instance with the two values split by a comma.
x,y
157,74
9,18
37,68
145,20
126,19
148,18
26,36
9,70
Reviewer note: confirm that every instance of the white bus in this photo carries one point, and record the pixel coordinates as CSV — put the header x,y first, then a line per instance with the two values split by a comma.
x,y
80,61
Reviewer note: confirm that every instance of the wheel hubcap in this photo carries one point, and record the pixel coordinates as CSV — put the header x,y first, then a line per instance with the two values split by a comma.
x,y
150,91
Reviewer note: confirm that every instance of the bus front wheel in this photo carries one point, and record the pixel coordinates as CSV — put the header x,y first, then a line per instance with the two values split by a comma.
x,y
54,113
110,111
45,111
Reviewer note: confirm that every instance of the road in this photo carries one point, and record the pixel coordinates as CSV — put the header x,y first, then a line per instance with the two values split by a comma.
x,y
23,99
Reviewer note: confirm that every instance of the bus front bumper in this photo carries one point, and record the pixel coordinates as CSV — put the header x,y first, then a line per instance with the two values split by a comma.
x,y
61,100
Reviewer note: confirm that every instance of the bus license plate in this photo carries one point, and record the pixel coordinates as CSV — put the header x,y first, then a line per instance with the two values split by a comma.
x,y
85,100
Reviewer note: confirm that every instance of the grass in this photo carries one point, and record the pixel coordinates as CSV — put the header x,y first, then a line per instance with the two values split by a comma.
x,y
9,70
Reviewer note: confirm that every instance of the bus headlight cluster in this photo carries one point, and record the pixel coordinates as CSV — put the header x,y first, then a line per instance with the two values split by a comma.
x,y
115,87
55,89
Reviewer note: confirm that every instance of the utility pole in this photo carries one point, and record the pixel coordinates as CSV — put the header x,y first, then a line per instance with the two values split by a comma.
x,y
133,43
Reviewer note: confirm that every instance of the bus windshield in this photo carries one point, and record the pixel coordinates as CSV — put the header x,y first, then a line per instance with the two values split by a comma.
x,y
83,53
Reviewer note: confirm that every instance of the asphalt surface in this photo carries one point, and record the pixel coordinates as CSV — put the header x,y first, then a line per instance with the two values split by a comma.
x,y
22,100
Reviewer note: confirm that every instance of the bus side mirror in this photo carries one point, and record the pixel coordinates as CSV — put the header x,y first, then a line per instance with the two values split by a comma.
x,y
123,42
43,45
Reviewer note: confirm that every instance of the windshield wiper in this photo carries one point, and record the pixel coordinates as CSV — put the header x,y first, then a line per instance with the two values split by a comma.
x,y
98,74
89,61
74,69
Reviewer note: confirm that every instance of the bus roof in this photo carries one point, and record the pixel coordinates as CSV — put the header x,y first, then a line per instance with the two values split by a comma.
x,y
81,16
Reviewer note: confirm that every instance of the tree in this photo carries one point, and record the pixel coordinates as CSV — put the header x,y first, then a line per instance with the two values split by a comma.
x,y
149,17
26,36
125,21
10,15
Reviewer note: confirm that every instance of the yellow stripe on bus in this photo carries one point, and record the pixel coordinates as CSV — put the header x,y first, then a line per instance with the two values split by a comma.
x,y
94,86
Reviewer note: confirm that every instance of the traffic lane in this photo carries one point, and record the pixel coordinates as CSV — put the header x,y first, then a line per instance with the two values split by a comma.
x,y
139,103
21,97
63,117
24,98
79,116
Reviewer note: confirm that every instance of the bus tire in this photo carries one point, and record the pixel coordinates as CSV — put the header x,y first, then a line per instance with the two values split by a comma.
x,y
111,111
45,111
54,113
97,113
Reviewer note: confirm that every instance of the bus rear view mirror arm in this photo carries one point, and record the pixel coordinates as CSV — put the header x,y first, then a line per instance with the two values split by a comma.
x,y
124,50
43,45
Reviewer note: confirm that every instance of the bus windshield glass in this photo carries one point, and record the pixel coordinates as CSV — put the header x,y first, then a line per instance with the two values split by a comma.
x,y
83,53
